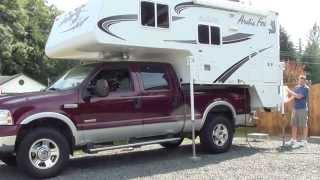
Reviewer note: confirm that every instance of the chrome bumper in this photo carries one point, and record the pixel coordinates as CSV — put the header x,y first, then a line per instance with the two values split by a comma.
x,y
7,144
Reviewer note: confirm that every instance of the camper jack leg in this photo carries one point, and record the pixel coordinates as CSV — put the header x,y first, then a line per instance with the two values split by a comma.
x,y
194,153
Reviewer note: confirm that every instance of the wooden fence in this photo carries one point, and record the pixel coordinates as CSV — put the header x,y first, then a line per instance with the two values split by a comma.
x,y
272,123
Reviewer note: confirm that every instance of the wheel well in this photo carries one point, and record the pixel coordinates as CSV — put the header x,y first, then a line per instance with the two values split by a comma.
x,y
224,110
56,124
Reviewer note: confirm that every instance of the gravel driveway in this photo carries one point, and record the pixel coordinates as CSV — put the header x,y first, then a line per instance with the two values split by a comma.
x,y
261,161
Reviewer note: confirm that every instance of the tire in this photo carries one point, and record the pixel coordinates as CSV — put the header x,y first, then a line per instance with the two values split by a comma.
x,y
217,134
172,144
33,155
9,160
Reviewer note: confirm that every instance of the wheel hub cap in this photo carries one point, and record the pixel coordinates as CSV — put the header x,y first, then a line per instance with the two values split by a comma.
x,y
44,154
220,135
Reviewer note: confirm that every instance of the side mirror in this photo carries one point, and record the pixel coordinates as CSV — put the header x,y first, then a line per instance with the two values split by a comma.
x,y
102,88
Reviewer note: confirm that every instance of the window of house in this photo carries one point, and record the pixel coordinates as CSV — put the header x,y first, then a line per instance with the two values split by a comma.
x,y
209,34
154,15
154,78
118,79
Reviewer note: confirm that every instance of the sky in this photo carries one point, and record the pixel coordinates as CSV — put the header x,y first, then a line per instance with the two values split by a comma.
x,y
296,16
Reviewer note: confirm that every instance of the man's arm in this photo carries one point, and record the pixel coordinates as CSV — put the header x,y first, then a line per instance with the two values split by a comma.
x,y
294,94
289,99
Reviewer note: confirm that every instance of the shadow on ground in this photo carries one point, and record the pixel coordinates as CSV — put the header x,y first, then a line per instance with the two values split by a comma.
x,y
136,164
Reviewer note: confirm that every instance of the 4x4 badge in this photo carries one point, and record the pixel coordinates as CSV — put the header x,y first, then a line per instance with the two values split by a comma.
x,y
70,106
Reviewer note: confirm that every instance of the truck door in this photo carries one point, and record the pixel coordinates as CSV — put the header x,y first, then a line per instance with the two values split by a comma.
x,y
113,117
162,114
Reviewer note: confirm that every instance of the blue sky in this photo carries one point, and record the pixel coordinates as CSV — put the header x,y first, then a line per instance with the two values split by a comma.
x,y
297,16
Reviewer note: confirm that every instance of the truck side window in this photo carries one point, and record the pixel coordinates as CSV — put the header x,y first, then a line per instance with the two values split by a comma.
x,y
147,14
118,79
154,78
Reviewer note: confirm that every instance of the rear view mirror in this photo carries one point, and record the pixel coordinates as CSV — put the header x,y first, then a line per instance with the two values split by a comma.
x,y
102,88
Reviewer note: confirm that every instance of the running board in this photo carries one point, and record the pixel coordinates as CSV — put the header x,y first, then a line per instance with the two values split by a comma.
x,y
96,150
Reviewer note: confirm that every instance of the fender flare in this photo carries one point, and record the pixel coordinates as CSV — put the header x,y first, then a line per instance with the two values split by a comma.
x,y
215,104
53,115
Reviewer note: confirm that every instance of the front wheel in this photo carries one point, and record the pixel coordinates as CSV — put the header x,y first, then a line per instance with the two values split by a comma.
x,y
217,134
43,153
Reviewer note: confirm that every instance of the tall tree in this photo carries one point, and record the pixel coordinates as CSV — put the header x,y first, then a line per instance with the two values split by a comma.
x,y
24,29
287,51
311,56
13,47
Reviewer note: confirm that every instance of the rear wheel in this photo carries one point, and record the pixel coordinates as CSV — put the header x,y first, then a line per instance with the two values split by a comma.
x,y
172,144
217,134
43,153
9,160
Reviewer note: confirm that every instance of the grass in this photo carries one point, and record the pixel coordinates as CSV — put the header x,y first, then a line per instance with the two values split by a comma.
x,y
241,132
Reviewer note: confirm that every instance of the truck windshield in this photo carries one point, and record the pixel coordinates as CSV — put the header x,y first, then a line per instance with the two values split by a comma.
x,y
73,78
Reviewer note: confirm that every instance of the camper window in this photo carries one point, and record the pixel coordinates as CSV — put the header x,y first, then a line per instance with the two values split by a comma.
x,y
209,34
203,34
147,14
162,16
154,15
215,35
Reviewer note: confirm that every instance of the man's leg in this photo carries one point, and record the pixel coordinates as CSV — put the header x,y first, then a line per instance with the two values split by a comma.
x,y
294,132
305,133
303,123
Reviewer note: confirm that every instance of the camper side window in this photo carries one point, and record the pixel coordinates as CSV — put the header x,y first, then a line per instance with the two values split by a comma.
x,y
215,35
209,34
162,16
203,34
147,14
154,15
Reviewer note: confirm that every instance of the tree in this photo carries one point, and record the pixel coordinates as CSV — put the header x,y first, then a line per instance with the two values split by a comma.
x,y
24,29
311,56
287,50
292,72
12,35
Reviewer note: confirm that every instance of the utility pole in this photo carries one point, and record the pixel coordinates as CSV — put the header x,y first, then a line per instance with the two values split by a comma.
x,y
300,49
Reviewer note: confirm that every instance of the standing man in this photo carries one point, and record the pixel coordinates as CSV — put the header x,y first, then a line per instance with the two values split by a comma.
x,y
299,118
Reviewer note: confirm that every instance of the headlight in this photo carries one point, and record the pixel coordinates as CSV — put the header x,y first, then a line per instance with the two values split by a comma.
x,y
5,118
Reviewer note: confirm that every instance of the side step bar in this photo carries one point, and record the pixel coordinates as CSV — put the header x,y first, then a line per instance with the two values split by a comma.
x,y
96,150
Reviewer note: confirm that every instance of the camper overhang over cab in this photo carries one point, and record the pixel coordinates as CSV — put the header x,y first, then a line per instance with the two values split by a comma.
x,y
230,43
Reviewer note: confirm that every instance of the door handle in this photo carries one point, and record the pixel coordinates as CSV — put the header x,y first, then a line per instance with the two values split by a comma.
x,y
137,103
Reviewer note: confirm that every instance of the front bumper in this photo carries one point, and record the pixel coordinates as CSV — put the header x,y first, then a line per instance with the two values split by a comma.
x,y
7,144
8,136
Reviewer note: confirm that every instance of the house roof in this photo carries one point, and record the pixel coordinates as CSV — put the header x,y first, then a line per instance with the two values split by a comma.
x,y
5,79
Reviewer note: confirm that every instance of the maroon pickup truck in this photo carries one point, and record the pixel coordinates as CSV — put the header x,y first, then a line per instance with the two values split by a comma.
x,y
104,106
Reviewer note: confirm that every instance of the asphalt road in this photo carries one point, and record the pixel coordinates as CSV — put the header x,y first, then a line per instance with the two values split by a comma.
x,y
261,161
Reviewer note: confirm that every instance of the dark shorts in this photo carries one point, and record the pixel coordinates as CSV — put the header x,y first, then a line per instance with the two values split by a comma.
x,y
299,118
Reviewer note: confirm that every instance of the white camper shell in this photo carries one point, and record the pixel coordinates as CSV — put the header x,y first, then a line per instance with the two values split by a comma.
x,y
230,43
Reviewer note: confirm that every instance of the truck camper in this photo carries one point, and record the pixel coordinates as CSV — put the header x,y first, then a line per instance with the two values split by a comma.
x,y
155,72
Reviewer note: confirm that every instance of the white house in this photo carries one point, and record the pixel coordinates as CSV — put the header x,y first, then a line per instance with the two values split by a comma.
x,y
19,83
